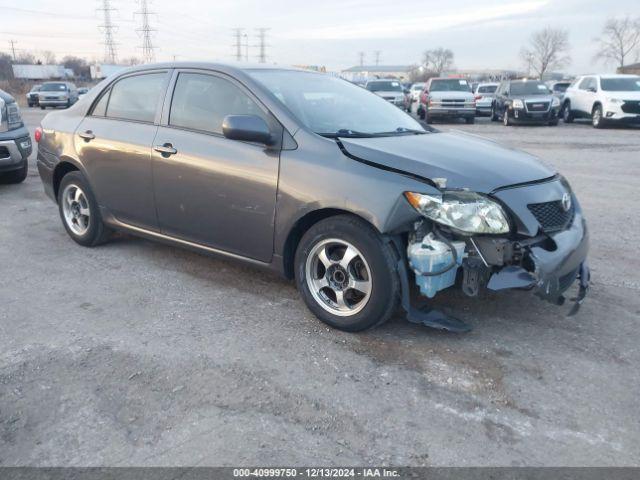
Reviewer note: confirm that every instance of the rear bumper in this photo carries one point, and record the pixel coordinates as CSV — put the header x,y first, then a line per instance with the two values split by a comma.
x,y
45,169
53,103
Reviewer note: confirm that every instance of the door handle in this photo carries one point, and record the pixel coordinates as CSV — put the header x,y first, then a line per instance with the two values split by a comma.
x,y
88,135
166,149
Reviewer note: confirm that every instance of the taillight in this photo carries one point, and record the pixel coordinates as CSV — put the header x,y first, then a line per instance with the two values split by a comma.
x,y
38,134
478,97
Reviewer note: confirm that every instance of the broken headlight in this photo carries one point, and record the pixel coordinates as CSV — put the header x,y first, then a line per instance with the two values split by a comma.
x,y
467,212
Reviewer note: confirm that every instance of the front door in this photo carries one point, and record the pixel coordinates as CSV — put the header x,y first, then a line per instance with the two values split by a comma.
x,y
114,145
211,190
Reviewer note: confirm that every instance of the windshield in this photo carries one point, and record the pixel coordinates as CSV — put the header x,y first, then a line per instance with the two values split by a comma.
x,y
54,87
449,85
331,106
561,87
384,86
528,88
629,84
487,88
36,88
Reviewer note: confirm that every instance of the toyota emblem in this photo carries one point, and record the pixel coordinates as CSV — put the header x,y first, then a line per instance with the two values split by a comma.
x,y
566,202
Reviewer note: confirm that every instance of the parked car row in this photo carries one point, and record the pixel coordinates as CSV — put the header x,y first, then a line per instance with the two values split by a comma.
x,y
605,99
54,94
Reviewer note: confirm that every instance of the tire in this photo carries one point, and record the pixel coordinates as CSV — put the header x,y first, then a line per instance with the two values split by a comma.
x,y
42,107
505,118
17,176
567,114
470,120
68,104
553,123
421,113
372,263
597,118
89,229
428,118
494,115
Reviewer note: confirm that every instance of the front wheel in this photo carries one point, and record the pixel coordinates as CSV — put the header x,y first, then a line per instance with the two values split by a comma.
x,y
597,120
345,274
567,114
505,118
79,211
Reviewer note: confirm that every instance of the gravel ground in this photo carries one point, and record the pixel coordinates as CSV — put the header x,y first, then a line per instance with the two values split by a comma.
x,y
135,353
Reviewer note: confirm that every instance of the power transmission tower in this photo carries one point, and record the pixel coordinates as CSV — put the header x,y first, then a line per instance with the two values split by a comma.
x,y
145,30
246,47
262,46
377,55
13,48
110,55
238,35
361,56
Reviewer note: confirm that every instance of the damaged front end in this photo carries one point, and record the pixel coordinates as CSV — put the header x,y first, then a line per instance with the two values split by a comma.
x,y
543,248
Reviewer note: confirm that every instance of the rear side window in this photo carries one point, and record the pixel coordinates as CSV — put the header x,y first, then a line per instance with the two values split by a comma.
x,y
136,98
200,102
100,108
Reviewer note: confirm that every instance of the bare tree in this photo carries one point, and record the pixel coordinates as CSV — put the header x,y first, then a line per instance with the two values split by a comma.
x,y
438,60
48,57
547,51
619,39
6,72
77,64
131,61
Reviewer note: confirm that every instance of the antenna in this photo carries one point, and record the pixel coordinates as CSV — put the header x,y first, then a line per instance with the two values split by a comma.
x,y
110,55
262,35
148,54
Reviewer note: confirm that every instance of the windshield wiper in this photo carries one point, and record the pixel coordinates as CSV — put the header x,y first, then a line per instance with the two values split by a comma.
x,y
343,132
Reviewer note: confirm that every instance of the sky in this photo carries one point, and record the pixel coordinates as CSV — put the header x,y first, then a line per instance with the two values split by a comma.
x,y
481,33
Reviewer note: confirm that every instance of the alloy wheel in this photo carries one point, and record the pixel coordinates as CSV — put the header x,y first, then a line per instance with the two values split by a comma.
x,y
338,277
75,208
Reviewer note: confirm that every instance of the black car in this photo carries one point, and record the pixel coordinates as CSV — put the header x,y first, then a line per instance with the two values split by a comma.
x,y
15,142
32,97
525,101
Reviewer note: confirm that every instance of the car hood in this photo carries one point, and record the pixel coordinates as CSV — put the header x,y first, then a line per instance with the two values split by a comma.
x,y
465,161
452,95
390,93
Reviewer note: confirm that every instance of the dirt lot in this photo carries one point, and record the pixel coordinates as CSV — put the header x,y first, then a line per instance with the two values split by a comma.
x,y
140,354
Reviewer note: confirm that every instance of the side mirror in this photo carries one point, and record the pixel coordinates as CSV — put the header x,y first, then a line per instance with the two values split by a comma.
x,y
593,89
247,128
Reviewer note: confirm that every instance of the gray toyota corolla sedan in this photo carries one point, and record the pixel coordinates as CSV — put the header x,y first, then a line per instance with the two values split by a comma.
x,y
316,178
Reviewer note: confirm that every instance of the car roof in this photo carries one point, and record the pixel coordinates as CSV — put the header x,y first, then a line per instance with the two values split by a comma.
x,y
229,66
611,75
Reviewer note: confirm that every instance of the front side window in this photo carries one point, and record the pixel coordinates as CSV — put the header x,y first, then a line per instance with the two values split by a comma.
x,y
587,83
200,102
331,106
136,98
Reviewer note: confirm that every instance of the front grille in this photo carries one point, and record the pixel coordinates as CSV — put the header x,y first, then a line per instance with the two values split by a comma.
x,y
537,106
51,98
453,100
551,216
631,106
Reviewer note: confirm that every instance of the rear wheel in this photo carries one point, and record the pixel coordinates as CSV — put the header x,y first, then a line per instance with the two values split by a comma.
x,y
567,114
494,114
346,275
79,211
597,119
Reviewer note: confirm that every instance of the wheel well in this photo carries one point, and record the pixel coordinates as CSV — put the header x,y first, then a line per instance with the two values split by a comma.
x,y
58,174
299,229
596,104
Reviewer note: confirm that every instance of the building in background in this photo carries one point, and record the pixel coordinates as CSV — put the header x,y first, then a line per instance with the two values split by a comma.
x,y
104,70
361,74
633,69
41,72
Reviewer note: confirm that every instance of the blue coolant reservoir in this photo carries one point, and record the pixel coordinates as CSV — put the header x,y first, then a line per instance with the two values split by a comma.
x,y
431,255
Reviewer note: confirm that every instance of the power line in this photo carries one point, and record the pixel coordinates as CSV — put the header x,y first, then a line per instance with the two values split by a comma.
x,y
238,34
361,57
262,46
148,54
110,55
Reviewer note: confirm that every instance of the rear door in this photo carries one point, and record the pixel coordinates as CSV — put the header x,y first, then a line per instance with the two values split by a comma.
x,y
114,145
214,191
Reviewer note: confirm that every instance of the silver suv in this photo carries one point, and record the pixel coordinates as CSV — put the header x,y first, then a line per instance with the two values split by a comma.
x,y
447,98
604,99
